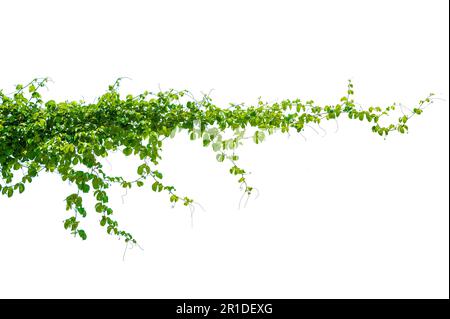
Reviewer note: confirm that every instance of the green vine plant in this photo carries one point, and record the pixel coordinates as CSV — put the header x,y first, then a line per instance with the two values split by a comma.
x,y
71,138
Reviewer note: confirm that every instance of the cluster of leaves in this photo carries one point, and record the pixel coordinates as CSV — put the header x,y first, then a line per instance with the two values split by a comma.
x,y
70,138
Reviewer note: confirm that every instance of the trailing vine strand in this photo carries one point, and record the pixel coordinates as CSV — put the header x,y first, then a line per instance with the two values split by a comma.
x,y
71,138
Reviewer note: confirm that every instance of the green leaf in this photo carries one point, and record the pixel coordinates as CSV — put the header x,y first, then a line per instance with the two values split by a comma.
x,y
258,137
220,157
217,146
418,111
81,211
85,188
158,174
82,234
361,116
99,207
206,142
96,183
109,144
173,132
127,151
157,187
67,223
143,169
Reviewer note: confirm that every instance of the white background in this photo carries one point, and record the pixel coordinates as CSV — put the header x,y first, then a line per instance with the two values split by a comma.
x,y
348,215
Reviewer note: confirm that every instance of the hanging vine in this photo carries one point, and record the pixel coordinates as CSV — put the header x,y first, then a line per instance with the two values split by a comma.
x,y
71,138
